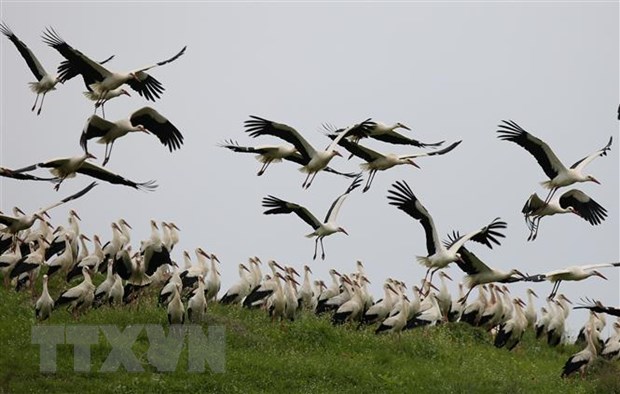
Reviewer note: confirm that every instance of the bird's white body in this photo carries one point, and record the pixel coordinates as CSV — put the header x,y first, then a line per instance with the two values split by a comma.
x,y
197,304
175,309
45,303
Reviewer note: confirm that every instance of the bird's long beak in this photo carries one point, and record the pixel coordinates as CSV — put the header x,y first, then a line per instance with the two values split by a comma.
x,y
433,286
76,215
277,265
402,126
413,163
47,214
337,153
344,231
447,276
596,181
174,226
534,294
20,211
91,156
86,238
601,275
214,257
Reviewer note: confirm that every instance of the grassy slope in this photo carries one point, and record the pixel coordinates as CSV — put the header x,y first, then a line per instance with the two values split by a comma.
x,y
308,355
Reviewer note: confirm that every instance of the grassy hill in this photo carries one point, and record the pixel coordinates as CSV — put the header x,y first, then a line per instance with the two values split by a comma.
x,y
308,355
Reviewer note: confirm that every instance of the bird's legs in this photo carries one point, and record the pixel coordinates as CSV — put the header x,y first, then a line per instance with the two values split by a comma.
x,y
464,298
322,249
551,193
311,179
371,177
316,244
36,100
107,155
263,168
554,290
41,105
57,186
303,185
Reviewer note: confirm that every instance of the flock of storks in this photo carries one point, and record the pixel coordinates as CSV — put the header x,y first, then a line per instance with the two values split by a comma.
x,y
187,289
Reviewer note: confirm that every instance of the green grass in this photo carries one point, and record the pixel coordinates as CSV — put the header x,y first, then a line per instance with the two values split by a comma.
x,y
308,355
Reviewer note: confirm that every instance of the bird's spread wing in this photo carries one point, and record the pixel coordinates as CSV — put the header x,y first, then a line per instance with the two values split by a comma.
x,y
469,262
82,64
551,165
487,235
278,206
7,220
101,173
66,71
393,137
586,207
433,152
332,213
70,198
351,130
147,86
8,173
403,198
579,165
95,127
533,204
31,60
358,150
235,147
258,126
598,307
157,124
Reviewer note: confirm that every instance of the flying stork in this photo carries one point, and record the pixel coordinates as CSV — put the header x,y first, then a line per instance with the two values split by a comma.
x,y
314,160
439,255
376,161
146,120
68,167
321,230
100,80
15,224
573,273
598,307
268,154
45,82
573,201
558,174
387,133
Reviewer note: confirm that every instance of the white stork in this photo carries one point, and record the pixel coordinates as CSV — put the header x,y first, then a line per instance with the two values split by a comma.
x,y
238,291
439,255
580,361
314,160
145,120
68,167
268,154
100,80
45,82
376,161
573,273
259,294
45,304
175,309
558,174
387,133
197,304
511,332
79,297
396,322
478,273
573,201
15,224
321,230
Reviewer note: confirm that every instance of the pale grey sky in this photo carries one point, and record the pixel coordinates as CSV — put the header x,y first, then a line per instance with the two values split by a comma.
x,y
450,71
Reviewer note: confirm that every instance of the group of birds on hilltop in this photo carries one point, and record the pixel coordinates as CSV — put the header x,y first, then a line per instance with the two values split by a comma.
x,y
25,250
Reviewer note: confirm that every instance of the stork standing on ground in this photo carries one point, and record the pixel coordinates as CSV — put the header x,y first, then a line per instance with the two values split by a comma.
x,y
79,297
439,255
314,160
321,230
146,120
559,175
45,304
578,362
573,201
